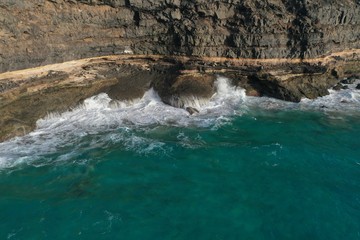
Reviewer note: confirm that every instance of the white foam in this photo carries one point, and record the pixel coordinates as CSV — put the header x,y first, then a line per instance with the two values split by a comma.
x,y
343,100
189,101
114,122
100,121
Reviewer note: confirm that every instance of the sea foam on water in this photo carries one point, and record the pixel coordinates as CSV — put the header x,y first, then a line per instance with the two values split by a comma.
x,y
116,121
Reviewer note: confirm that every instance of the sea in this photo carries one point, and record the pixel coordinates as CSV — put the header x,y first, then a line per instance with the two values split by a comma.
x,y
242,168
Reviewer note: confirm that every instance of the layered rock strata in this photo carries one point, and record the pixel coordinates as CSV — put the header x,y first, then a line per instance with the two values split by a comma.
x,y
27,95
287,49
40,32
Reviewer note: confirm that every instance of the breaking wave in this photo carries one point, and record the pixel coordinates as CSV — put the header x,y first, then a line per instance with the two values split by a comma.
x,y
100,121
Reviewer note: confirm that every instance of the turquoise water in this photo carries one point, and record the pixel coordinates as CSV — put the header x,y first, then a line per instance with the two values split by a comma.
x,y
266,170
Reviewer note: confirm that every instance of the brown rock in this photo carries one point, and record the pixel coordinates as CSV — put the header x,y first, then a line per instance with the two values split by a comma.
x,y
253,93
28,95
178,90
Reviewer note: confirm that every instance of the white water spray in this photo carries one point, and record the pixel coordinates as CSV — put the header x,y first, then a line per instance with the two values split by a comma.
x,y
107,122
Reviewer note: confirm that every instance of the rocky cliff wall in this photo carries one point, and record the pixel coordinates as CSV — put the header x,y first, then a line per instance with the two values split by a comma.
x,y
40,32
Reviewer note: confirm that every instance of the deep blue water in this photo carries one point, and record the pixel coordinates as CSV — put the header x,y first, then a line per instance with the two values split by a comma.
x,y
264,173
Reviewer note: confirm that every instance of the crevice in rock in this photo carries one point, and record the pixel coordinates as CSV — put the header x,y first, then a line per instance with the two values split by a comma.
x,y
298,32
137,18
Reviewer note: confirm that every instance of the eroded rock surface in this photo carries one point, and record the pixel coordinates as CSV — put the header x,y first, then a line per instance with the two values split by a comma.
x,y
40,32
27,95
287,49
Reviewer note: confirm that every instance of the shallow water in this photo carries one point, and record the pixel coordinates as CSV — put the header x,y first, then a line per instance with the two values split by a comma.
x,y
243,168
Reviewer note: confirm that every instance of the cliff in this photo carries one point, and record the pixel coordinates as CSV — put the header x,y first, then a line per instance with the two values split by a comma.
x,y
287,49
40,32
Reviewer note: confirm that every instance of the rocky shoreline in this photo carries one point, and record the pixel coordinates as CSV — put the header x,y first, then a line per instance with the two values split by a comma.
x,y
286,49
30,94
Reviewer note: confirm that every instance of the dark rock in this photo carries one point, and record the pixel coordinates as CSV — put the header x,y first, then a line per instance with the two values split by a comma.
x,y
191,110
338,87
350,80
7,84
27,97
358,86
32,35
233,29
177,90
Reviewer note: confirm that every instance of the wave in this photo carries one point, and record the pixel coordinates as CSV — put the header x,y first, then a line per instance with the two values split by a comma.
x,y
100,121
345,101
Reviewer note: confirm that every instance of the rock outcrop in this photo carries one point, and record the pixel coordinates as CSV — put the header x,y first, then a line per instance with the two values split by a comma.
x,y
40,32
287,49
185,82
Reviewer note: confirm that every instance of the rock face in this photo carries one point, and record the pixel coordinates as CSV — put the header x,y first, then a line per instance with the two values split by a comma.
x,y
287,49
185,82
31,94
40,32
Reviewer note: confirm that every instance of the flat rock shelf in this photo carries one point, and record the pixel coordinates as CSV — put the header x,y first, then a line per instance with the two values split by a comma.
x,y
30,94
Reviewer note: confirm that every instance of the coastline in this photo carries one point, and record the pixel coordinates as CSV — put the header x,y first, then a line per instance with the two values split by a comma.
x,y
30,94
180,119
